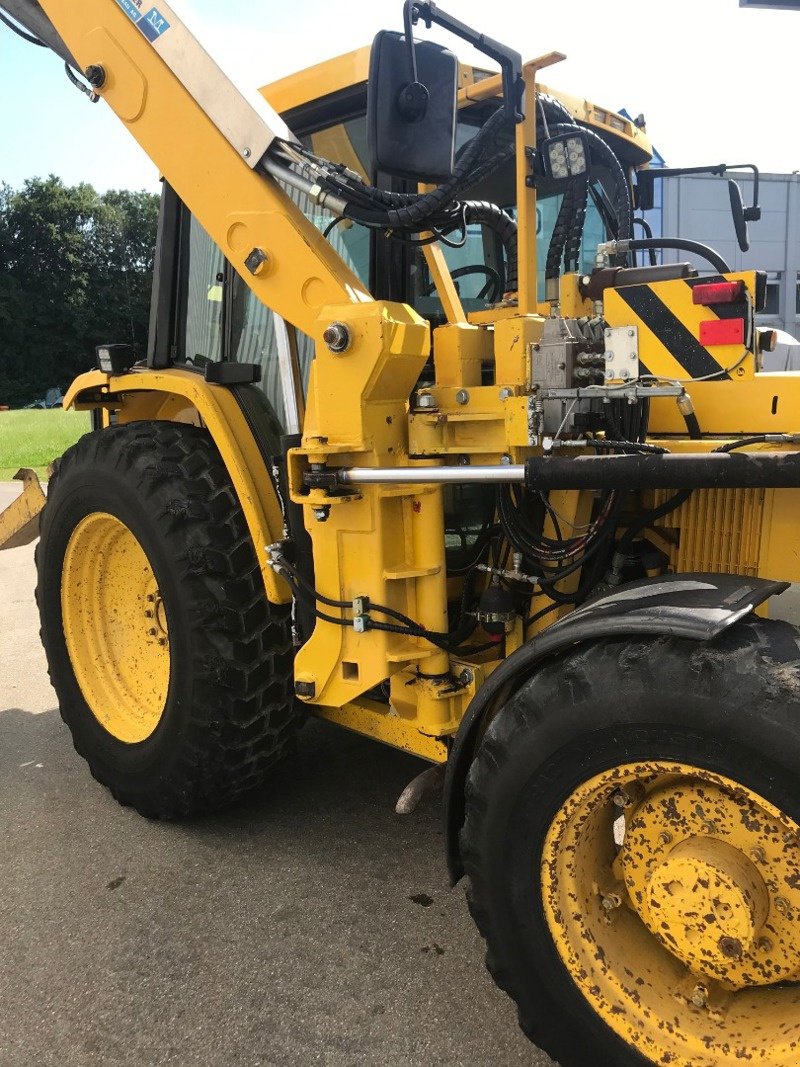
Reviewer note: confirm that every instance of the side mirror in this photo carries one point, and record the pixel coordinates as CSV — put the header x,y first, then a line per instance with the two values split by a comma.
x,y
411,122
739,219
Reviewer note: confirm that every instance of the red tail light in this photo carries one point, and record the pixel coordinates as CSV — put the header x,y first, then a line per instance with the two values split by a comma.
x,y
718,293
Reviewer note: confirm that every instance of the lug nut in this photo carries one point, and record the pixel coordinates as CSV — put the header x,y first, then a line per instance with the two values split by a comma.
x,y
425,401
699,996
337,337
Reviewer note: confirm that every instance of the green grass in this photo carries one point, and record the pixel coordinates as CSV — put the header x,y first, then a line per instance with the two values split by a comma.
x,y
35,438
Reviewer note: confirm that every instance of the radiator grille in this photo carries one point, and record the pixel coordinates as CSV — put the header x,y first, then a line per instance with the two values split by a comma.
x,y
718,530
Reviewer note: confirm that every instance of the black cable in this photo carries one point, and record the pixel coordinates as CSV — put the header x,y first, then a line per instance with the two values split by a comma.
x,y
745,442
332,225
22,33
93,97
540,615
410,628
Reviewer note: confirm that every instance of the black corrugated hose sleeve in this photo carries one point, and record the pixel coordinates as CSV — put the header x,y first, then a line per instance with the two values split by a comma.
x,y
491,141
504,226
561,230
572,249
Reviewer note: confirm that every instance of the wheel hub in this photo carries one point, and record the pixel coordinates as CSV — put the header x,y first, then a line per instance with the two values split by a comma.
x,y
700,868
711,902
115,627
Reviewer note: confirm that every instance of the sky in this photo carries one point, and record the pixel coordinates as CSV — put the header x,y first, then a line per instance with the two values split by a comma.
x,y
716,83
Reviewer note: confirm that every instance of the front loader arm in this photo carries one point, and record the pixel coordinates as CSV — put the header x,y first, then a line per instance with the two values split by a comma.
x,y
208,139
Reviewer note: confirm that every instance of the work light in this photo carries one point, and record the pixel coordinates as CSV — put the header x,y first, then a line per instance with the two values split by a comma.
x,y
565,156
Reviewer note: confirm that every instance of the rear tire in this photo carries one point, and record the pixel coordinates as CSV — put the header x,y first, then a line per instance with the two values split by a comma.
x,y
730,708
228,713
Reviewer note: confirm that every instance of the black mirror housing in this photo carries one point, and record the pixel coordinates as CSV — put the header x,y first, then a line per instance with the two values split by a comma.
x,y
739,217
411,126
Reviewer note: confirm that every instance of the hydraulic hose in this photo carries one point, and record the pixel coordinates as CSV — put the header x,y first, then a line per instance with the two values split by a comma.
x,y
681,245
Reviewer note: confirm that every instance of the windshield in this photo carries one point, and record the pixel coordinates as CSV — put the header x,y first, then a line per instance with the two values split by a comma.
x,y
478,262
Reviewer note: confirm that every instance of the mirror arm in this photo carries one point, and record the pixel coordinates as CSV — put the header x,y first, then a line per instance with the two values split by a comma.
x,y
509,60
646,179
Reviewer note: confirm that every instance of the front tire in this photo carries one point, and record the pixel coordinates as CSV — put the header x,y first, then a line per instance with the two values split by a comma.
x,y
673,942
172,670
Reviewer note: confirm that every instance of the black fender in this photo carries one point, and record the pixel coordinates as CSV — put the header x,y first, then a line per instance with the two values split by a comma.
x,y
696,606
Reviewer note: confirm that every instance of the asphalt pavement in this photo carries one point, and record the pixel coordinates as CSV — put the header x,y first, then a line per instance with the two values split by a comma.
x,y
307,925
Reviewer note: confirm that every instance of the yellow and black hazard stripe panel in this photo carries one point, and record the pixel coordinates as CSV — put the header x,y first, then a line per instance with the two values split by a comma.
x,y
695,328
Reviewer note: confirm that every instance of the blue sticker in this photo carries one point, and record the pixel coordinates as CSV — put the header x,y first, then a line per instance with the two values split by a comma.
x,y
152,23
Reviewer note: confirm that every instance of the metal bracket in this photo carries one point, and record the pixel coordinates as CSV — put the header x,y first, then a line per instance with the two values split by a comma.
x,y
622,353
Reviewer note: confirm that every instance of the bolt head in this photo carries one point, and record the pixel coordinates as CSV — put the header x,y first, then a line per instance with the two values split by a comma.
x,y
462,396
466,676
665,838
257,262
337,337
321,514
425,401
96,76
631,333
506,393
731,948
782,906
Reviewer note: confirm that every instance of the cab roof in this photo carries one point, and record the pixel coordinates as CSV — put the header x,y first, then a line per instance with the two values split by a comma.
x,y
341,76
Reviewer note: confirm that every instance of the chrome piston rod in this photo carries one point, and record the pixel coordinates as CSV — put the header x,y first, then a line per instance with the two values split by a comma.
x,y
430,475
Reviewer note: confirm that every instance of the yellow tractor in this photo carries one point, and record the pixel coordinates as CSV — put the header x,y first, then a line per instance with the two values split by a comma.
x,y
427,443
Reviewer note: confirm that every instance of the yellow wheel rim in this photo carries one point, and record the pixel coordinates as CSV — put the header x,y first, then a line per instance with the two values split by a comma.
x,y
673,895
115,627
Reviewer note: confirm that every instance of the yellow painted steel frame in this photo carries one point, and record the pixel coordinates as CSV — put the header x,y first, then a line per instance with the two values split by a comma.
x,y
183,396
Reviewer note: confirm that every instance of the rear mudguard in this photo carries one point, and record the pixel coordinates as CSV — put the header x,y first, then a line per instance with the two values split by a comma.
x,y
696,606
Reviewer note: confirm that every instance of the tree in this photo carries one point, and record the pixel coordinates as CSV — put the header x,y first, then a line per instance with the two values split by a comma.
x,y
75,272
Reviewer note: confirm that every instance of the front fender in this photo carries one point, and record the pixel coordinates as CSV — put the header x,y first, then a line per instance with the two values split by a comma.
x,y
695,606
169,394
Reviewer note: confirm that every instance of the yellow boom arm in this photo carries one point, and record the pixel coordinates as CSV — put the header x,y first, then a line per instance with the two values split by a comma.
x,y
208,138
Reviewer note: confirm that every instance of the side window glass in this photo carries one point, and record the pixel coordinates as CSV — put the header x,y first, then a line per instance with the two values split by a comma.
x,y
202,282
